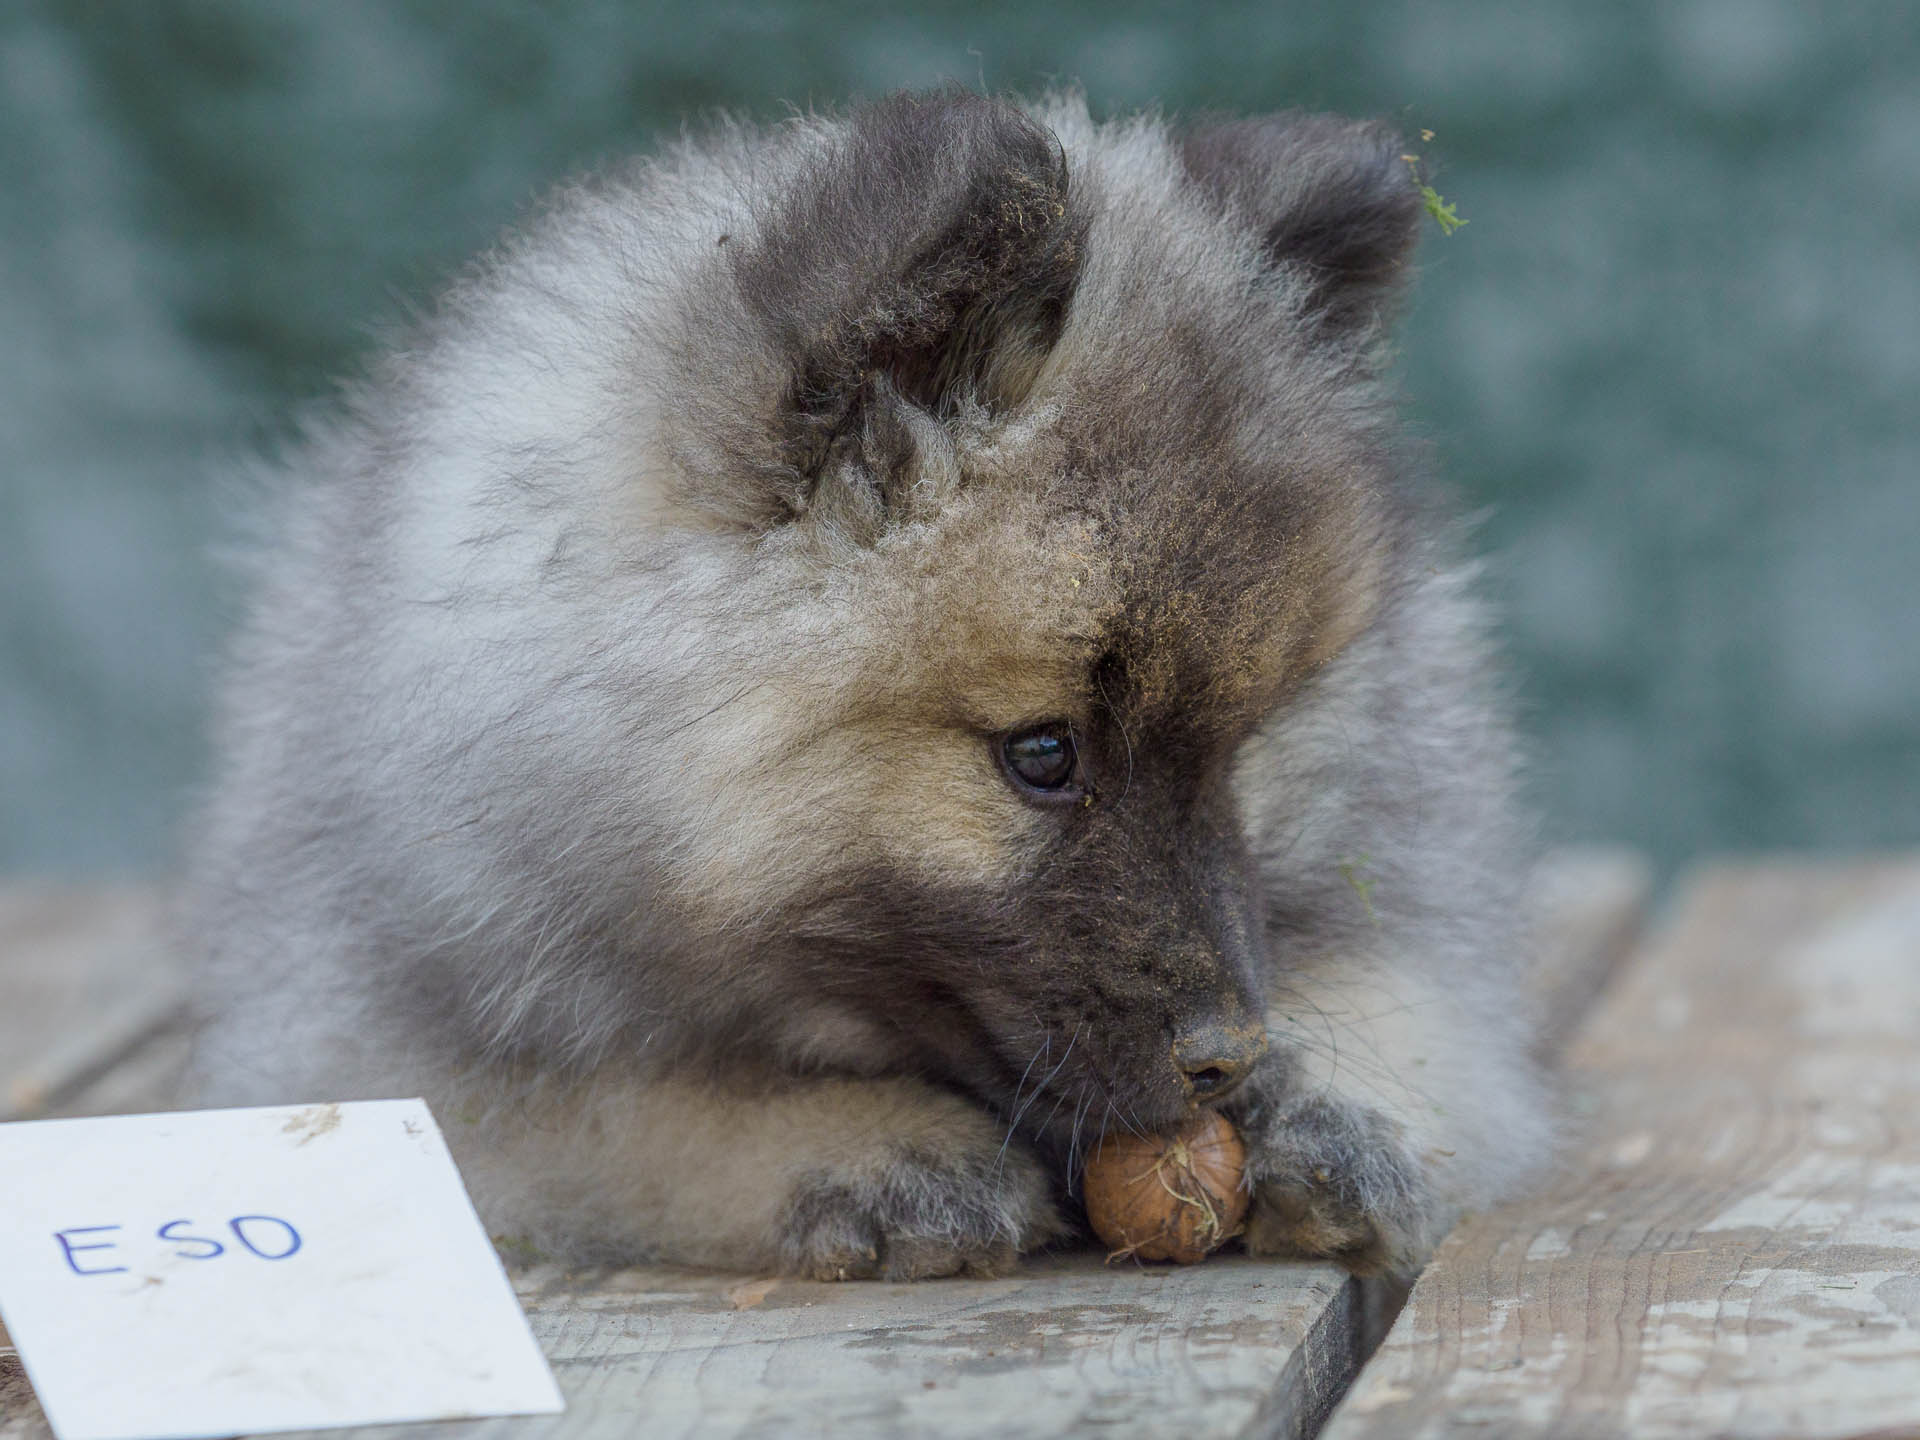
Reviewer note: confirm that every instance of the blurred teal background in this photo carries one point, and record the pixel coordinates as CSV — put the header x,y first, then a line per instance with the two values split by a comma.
x,y
1676,351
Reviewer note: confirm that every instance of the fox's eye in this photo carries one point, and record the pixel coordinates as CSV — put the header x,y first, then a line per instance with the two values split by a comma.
x,y
1041,758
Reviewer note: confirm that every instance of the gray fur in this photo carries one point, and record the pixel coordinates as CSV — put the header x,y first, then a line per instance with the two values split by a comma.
x,y
610,750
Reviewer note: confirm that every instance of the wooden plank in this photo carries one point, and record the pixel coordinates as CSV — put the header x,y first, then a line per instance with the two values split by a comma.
x,y
1235,1347
1589,906
87,980
20,1416
149,1077
1733,1247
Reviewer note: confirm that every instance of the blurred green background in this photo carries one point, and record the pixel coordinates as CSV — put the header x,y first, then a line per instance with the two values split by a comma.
x,y
1675,353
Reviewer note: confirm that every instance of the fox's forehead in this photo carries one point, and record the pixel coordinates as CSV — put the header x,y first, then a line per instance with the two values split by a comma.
x,y
989,615
1230,596
1195,586
1239,494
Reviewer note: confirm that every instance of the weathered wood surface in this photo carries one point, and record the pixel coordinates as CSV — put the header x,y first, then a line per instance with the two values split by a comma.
x,y
87,980
1733,1248
1235,1347
1589,906
1067,1345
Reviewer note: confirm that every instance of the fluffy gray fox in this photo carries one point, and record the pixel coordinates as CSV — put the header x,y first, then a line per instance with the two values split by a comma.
x,y
850,659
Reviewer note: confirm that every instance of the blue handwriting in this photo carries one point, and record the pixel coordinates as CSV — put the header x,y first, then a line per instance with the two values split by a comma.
x,y
266,1236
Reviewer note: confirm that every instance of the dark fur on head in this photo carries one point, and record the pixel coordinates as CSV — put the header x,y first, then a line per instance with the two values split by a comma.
x,y
930,245
618,747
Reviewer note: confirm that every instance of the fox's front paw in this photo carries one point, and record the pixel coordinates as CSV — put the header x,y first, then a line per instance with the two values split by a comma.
x,y
916,1210
1336,1182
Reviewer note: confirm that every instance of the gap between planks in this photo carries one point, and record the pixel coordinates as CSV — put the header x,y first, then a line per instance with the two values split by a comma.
x,y
1732,1246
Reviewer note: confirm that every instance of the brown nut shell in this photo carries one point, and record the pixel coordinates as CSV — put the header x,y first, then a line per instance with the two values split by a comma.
x,y
1175,1198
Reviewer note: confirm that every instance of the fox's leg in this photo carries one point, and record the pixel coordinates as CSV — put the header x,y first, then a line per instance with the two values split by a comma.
x,y
826,1178
1385,1107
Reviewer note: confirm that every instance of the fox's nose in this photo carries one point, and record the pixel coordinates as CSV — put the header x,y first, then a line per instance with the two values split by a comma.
x,y
1213,1058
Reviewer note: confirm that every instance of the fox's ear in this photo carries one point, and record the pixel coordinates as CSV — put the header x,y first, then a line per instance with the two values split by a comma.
x,y
919,256
1336,199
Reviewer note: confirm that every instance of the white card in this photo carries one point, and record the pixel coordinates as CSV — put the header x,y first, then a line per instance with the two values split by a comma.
x,y
218,1272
